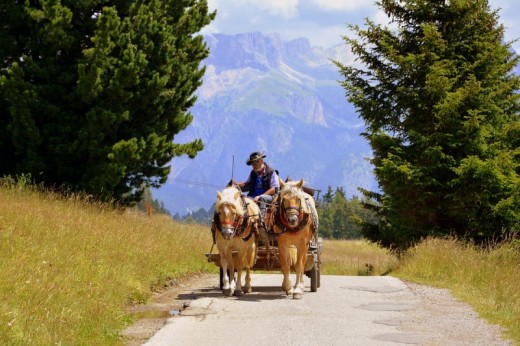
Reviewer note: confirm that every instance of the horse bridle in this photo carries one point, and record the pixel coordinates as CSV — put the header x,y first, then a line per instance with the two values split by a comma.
x,y
281,221
238,225
237,220
299,210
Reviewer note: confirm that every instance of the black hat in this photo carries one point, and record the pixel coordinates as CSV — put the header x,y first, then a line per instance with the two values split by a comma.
x,y
254,157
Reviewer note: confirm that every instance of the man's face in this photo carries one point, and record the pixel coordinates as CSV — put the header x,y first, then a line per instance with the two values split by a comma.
x,y
257,165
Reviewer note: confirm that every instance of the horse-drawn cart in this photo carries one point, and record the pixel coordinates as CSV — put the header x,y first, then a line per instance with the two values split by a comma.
x,y
267,259
267,254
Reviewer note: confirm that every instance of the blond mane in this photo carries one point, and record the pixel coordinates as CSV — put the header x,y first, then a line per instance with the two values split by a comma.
x,y
230,195
294,188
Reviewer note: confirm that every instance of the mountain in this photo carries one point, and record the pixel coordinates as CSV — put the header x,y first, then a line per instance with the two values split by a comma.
x,y
283,98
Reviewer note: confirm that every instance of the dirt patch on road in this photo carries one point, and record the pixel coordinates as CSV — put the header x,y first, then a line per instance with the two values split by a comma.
x,y
170,301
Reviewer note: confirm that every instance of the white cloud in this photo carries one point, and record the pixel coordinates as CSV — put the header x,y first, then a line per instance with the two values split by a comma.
x,y
382,18
322,21
343,5
285,8
319,36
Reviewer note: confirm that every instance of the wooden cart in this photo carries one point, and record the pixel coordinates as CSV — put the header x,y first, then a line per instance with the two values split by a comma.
x,y
267,259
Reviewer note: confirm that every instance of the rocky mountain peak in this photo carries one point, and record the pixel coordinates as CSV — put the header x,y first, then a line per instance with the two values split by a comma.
x,y
261,93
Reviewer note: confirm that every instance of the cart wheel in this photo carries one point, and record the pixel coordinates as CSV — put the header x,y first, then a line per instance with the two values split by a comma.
x,y
319,275
315,278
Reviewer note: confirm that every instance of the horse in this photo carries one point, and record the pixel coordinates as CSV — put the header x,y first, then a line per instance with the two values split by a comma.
x,y
293,222
235,225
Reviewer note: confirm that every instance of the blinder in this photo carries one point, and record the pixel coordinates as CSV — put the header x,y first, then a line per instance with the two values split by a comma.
x,y
238,223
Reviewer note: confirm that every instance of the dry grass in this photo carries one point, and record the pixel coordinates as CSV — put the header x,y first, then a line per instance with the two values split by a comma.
x,y
70,267
355,257
487,279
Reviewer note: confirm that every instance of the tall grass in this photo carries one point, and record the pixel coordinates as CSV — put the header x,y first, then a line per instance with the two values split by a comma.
x,y
69,267
355,257
488,279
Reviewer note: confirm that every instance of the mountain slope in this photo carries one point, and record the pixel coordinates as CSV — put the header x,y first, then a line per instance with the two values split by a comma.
x,y
284,98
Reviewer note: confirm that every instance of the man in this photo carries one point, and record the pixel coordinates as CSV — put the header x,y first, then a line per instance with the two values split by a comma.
x,y
262,182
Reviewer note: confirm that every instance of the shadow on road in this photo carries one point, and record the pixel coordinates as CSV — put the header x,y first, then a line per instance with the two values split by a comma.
x,y
260,293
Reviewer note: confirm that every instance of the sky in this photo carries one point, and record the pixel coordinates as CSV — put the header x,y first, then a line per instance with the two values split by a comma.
x,y
323,22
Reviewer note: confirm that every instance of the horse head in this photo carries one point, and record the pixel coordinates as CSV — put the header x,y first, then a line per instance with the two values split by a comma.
x,y
291,202
230,211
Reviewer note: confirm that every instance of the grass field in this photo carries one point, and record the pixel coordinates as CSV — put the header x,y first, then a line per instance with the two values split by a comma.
x,y
70,267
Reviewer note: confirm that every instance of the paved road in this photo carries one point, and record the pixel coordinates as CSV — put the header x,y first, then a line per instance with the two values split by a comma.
x,y
346,310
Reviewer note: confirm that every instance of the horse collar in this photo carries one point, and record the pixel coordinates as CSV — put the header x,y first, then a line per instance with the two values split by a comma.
x,y
285,227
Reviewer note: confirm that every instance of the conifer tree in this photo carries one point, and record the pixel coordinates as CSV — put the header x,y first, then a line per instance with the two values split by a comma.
x,y
440,102
92,93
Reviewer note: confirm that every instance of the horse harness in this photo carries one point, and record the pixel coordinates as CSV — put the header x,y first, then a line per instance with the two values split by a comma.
x,y
281,222
239,224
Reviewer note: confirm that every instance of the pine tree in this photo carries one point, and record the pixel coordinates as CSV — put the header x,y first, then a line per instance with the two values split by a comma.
x,y
93,92
439,99
341,218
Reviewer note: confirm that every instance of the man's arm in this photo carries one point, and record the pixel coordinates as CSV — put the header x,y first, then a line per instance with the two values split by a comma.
x,y
274,183
271,191
244,184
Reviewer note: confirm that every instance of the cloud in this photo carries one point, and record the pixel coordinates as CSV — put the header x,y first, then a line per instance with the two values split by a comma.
x,y
278,8
322,21
342,5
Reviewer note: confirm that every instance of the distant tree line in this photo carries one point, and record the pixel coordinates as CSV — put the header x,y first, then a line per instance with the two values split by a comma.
x,y
339,217
200,216
150,205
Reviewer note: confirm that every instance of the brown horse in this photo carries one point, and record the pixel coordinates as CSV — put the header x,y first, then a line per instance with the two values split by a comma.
x,y
294,221
235,223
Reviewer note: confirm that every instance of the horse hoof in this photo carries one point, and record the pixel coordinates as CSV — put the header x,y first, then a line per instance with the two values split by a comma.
x,y
297,296
238,293
247,290
227,292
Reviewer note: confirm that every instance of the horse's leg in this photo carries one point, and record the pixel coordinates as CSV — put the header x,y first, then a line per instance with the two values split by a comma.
x,y
224,266
239,266
231,267
249,262
247,287
298,268
285,265
223,250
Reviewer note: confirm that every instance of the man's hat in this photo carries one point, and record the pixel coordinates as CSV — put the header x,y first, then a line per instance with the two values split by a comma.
x,y
257,155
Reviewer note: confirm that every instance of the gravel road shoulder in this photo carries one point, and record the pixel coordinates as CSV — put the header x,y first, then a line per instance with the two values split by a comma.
x,y
444,320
